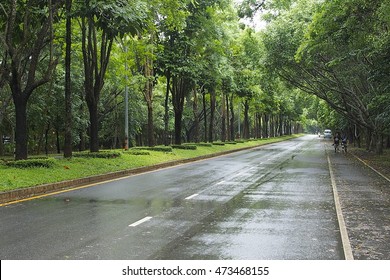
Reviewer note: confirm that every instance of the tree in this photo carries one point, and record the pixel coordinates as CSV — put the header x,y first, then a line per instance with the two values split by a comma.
x,y
179,69
331,49
249,8
28,59
68,90
190,53
247,72
344,69
101,22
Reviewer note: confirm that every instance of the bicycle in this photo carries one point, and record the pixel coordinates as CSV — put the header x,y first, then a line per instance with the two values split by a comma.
x,y
344,147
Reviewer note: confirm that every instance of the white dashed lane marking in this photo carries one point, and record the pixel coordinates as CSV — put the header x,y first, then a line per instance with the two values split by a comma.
x,y
191,196
140,221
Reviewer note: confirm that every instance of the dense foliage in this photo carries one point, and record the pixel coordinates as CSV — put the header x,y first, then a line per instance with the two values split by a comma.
x,y
192,70
338,51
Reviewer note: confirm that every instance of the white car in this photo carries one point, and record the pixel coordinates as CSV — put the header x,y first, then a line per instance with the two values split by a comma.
x,y
327,133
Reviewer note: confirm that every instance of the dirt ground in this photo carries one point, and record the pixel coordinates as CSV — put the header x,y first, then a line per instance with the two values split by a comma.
x,y
379,162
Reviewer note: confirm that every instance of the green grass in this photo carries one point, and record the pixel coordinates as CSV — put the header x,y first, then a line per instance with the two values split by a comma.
x,y
66,169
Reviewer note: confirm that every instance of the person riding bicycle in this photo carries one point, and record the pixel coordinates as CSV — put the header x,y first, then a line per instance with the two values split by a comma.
x,y
336,141
344,141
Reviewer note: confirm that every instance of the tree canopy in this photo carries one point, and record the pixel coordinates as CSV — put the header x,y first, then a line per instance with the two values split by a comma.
x,y
193,70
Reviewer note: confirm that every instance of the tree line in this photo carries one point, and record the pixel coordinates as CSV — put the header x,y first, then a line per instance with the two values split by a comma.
x,y
338,51
187,71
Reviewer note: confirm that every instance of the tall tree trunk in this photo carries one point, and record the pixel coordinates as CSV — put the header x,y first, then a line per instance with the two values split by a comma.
x,y
178,126
1,143
166,113
369,140
212,113
96,58
378,143
204,113
179,89
21,150
281,132
148,94
94,127
151,139
260,131
223,124
265,125
58,145
82,143
68,90
257,125
47,130
232,130
229,136
196,116
246,132
21,73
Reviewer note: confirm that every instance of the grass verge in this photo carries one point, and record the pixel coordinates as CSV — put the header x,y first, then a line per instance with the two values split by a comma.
x,y
12,178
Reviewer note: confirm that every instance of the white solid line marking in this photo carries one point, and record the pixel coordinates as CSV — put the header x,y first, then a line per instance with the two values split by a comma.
x,y
343,229
191,196
140,221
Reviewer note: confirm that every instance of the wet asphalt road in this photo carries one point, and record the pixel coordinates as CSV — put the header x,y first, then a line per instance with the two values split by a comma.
x,y
272,202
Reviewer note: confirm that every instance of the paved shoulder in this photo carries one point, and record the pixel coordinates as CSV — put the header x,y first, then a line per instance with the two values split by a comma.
x,y
365,202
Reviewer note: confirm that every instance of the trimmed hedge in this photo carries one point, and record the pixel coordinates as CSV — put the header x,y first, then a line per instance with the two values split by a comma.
x,y
166,149
219,143
185,147
231,142
138,153
200,144
103,154
32,163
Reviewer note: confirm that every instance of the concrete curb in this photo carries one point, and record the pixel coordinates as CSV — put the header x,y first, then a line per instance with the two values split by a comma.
x,y
26,193
348,254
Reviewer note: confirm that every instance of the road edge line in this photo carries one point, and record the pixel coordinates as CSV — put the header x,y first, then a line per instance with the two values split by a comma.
x,y
343,228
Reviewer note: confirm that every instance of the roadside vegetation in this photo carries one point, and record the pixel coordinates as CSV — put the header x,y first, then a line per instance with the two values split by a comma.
x,y
19,176
99,75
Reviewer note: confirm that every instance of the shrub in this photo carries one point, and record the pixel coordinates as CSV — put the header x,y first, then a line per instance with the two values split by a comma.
x,y
32,163
201,144
185,147
166,149
138,153
103,154
219,143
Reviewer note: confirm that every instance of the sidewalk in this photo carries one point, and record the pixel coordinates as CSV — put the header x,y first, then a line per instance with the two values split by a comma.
x,y
365,202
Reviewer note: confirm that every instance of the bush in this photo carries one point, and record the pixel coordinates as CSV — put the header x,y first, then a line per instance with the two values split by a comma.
x,y
219,143
185,147
138,153
231,142
32,163
201,144
165,149
105,154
